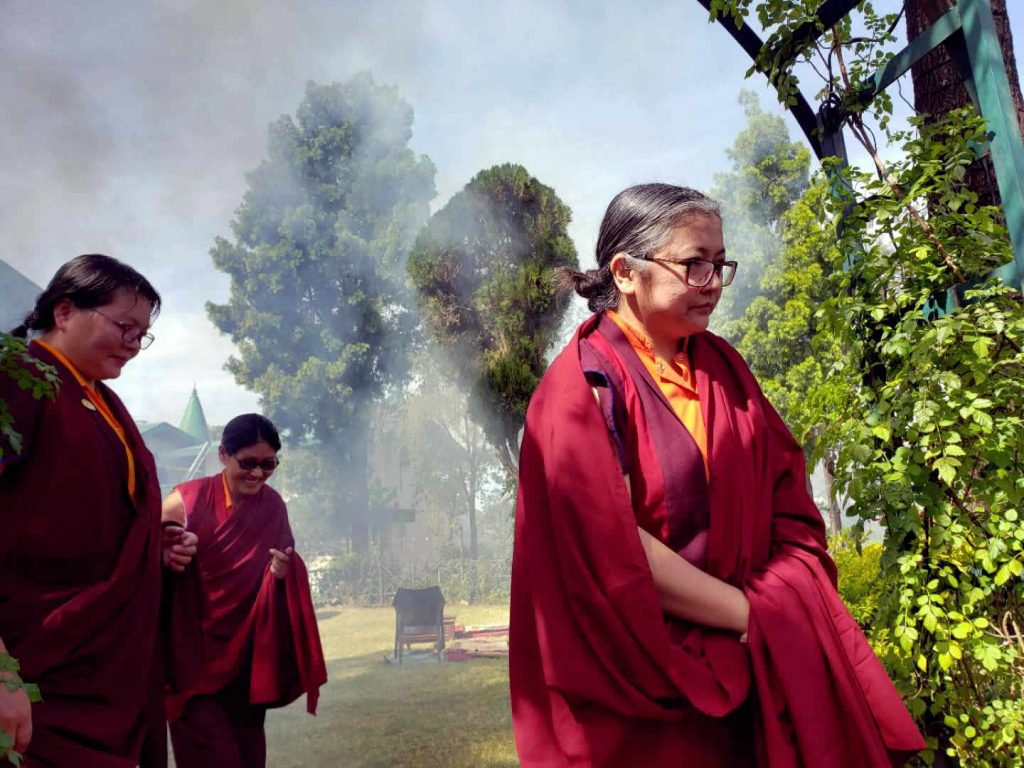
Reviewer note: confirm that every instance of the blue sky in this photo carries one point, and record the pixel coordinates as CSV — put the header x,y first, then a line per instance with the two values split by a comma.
x,y
128,126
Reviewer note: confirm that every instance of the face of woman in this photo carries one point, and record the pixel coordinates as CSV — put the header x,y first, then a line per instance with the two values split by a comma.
x,y
665,305
94,339
247,482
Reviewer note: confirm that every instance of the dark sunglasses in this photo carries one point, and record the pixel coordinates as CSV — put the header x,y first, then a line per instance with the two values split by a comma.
x,y
267,465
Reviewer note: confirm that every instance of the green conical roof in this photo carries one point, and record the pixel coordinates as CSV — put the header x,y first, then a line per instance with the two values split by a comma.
x,y
193,422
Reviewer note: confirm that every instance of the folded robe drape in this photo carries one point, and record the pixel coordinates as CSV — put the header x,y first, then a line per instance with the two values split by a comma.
x,y
596,678
252,624
80,575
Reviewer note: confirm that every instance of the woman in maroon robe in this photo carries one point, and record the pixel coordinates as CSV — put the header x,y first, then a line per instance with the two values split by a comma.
x,y
673,602
80,538
259,644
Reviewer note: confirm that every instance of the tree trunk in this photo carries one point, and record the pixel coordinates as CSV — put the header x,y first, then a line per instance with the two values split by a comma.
x,y
471,491
938,83
508,463
359,487
835,518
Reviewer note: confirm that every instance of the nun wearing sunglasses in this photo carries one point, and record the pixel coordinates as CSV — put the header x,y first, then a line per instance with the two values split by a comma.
x,y
257,644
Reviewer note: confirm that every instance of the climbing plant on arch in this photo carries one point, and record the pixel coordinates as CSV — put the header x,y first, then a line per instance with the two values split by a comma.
x,y
924,404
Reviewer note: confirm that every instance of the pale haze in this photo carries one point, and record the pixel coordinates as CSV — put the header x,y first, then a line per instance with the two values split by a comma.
x,y
128,128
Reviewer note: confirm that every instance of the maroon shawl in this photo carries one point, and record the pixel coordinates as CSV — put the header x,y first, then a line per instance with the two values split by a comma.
x,y
596,675
80,575
252,624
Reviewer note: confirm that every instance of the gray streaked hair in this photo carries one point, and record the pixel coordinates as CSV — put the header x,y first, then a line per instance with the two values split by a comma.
x,y
639,221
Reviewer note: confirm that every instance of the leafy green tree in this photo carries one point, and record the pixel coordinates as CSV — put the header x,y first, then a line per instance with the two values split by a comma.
x,y
308,479
777,332
925,413
449,459
768,174
484,267
860,567
319,307
775,227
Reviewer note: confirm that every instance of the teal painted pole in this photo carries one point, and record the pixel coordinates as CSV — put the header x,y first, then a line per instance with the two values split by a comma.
x,y
996,106
900,64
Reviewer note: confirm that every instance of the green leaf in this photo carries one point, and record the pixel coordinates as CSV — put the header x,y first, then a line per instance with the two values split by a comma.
x,y
930,622
946,467
963,630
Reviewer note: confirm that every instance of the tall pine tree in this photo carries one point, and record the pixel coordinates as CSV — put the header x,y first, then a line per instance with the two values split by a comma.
x,y
318,307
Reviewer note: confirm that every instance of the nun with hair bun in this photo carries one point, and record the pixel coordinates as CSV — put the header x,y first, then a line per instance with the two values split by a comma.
x,y
673,600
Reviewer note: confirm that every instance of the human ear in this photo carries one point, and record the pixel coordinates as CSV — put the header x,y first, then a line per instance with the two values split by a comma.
x,y
62,312
626,278
222,455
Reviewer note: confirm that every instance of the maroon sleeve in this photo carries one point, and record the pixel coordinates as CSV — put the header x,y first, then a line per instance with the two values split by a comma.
x,y
287,658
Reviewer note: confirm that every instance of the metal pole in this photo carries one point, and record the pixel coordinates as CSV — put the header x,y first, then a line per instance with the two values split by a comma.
x,y
996,105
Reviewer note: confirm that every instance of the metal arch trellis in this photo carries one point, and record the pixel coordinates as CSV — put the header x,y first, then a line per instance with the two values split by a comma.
x,y
969,30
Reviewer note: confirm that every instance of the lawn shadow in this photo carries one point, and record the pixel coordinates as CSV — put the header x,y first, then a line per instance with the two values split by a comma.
x,y
375,714
326,613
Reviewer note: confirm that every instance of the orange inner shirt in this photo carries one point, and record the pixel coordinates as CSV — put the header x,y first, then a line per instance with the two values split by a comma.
x,y
674,378
224,514
101,406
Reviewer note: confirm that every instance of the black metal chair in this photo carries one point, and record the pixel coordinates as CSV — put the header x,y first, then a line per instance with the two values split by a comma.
x,y
419,618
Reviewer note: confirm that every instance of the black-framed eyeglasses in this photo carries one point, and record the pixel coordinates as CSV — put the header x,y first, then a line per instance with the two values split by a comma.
x,y
249,464
129,333
700,271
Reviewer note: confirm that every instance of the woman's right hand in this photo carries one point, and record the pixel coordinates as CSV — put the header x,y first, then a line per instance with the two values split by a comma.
x,y
16,716
179,547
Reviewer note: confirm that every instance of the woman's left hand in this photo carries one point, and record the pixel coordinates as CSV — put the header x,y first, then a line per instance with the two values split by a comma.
x,y
279,562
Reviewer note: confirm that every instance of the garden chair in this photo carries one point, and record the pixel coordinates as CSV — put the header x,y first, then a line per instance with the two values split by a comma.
x,y
419,618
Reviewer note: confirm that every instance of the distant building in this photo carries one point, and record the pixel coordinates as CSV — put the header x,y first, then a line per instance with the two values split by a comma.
x,y
184,452
17,296
193,420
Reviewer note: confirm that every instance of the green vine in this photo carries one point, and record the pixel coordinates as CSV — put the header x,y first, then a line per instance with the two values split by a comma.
x,y
10,679
29,374
41,381
925,418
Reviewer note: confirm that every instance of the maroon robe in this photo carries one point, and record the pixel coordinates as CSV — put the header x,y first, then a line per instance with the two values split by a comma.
x,y
80,575
599,676
255,628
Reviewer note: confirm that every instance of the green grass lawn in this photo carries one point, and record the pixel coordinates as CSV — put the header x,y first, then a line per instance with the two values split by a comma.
x,y
379,715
